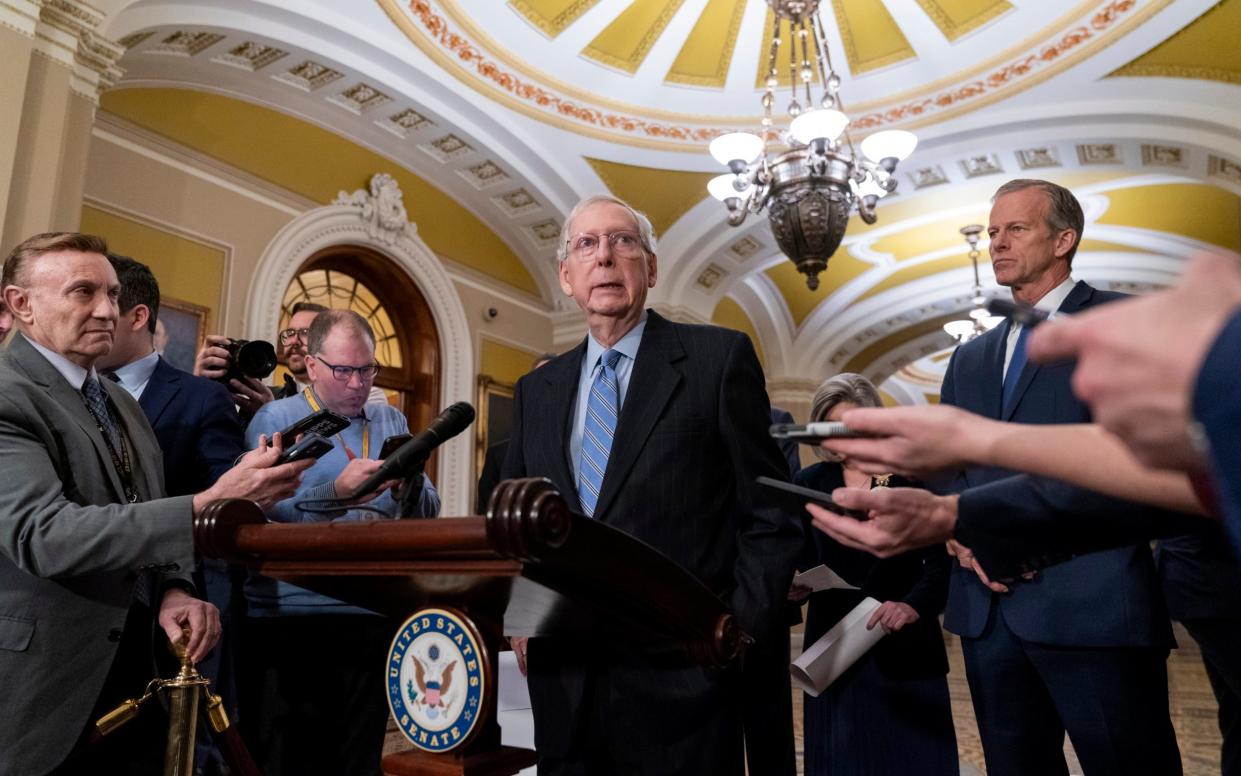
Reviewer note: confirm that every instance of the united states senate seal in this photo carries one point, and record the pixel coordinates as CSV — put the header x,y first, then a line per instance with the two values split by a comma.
x,y
436,679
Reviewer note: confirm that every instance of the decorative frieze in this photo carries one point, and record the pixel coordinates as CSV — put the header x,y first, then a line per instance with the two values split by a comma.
x,y
309,76
186,44
360,98
250,56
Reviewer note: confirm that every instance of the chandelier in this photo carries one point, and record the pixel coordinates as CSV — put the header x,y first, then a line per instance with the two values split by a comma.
x,y
811,189
980,321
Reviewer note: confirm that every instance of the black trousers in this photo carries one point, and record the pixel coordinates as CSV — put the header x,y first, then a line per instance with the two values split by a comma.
x,y
601,710
312,693
1112,702
767,708
1220,642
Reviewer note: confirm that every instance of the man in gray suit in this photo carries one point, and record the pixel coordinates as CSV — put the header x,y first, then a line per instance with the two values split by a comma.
x,y
89,551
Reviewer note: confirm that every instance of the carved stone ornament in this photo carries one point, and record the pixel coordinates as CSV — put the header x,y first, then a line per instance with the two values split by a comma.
x,y
382,208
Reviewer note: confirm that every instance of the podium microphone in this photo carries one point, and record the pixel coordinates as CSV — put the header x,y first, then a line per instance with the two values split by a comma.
x,y
409,457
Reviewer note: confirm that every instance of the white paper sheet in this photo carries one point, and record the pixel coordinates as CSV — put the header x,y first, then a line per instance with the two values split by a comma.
x,y
821,578
824,661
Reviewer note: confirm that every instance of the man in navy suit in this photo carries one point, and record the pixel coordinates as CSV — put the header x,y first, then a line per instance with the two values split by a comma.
x,y
657,429
199,433
1081,646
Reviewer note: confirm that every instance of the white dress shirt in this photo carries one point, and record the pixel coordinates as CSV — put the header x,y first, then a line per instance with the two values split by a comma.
x,y
1050,303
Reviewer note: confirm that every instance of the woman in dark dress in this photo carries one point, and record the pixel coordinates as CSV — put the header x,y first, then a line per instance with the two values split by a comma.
x,y
889,714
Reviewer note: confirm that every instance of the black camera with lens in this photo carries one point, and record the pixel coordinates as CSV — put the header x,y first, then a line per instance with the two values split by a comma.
x,y
249,358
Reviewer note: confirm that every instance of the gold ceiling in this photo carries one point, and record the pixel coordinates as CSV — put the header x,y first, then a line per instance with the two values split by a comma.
x,y
872,38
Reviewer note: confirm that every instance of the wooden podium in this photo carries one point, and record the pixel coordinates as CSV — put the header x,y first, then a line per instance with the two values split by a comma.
x,y
531,567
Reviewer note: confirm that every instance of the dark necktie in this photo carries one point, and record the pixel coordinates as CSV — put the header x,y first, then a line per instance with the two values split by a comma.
x,y
97,403
1015,366
602,409
111,375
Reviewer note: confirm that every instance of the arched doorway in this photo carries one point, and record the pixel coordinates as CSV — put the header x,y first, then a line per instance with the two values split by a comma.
x,y
407,340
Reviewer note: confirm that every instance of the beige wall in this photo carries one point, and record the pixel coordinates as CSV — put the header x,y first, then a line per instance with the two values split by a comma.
x,y
142,183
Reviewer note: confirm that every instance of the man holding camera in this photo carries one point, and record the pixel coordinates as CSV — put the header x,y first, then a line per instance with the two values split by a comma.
x,y
315,665
250,393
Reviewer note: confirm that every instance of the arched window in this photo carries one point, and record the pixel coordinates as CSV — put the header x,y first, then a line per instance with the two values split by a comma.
x,y
406,339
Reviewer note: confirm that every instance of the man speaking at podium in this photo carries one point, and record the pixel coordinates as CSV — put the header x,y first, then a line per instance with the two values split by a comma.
x,y
657,429
89,551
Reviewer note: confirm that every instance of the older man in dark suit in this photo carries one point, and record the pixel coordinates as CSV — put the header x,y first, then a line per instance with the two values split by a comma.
x,y
657,429
87,545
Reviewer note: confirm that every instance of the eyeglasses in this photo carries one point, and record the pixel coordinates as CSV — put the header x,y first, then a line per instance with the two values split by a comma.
x,y
624,245
288,335
344,373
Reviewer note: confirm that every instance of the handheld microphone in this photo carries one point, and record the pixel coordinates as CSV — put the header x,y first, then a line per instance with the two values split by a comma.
x,y
409,457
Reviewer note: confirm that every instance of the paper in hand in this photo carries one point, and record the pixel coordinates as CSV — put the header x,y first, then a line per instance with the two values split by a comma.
x,y
821,578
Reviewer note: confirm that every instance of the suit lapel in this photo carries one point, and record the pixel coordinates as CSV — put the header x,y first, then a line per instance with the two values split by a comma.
x,y
651,385
993,364
142,457
562,379
1080,294
164,385
43,373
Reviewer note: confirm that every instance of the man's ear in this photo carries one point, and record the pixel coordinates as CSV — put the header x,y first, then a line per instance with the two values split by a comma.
x,y
17,299
142,315
1064,242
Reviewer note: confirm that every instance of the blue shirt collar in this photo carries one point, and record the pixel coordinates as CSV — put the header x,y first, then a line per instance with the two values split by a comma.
x,y
138,373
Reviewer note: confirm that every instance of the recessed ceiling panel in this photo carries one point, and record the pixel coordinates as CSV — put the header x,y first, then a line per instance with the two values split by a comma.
x,y
552,16
708,51
958,17
625,42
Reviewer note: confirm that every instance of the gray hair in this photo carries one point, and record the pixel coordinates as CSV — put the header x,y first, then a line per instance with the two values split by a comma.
x,y
646,232
1063,209
844,387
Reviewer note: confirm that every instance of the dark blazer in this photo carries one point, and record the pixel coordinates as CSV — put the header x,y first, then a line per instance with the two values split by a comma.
x,y
787,446
918,578
691,438
489,478
1217,406
70,552
197,427
1103,599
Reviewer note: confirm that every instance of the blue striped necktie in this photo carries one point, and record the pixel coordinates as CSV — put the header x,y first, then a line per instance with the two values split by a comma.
x,y
602,409
1016,365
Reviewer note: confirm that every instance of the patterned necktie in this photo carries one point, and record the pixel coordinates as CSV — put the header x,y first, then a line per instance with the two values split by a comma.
x,y
602,409
1015,366
97,403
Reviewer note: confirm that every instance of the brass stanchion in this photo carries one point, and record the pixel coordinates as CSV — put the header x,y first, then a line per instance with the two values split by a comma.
x,y
184,693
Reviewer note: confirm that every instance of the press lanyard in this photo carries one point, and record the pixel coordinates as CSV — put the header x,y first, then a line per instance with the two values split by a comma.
x,y
366,427
121,463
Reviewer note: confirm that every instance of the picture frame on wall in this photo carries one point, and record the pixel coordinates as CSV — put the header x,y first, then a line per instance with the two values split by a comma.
x,y
180,330
495,416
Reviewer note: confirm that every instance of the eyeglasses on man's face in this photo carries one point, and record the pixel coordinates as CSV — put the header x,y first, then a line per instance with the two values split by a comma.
x,y
624,244
344,373
288,335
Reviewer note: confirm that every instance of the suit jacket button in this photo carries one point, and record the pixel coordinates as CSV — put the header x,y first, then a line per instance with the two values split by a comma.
x,y
115,635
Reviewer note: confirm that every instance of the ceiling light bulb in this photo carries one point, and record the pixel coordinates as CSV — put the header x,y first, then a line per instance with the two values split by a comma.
x,y
724,186
959,329
736,147
868,187
890,144
818,124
